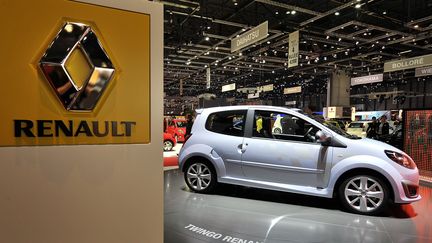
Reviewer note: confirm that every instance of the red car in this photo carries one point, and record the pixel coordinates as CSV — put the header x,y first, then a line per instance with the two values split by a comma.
x,y
177,128
169,142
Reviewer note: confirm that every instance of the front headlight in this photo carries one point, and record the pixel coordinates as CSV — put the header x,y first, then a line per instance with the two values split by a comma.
x,y
180,131
401,159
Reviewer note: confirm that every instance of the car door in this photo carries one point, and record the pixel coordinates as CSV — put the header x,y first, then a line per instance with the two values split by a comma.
x,y
291,157
225,136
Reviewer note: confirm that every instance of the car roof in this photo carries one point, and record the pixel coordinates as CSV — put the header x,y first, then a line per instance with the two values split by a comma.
x,y
245,107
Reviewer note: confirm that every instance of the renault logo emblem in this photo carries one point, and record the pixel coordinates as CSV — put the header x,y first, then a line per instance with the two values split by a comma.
x,y
77,67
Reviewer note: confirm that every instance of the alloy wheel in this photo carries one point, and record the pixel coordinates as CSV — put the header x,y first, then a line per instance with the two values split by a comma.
x,y
168,145
199,176
364,194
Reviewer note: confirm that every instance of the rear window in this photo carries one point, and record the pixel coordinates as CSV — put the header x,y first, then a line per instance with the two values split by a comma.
x,y
227,122
356,125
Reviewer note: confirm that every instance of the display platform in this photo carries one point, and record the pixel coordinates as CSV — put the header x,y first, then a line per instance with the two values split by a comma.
x,y
248,215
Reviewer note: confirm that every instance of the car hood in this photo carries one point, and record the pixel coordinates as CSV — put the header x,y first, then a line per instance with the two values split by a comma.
x,y
367,144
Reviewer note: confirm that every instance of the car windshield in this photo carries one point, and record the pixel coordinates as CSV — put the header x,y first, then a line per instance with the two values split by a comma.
x,y
181,123
333,127
356,125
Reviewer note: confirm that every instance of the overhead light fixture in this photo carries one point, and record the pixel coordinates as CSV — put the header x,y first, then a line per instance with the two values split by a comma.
x,y
217,47
339,39
207,38
384,12
337,13
277,12
288,12
244,29
293,12
357,42
268,42
416,26
358,5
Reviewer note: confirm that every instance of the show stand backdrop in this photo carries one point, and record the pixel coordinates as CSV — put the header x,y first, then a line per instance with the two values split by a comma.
x,y
81,105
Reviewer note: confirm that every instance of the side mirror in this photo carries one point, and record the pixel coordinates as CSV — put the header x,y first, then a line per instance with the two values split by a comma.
x,y
323,138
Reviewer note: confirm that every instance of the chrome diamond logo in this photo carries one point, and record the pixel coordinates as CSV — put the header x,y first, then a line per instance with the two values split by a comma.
x,y
77,67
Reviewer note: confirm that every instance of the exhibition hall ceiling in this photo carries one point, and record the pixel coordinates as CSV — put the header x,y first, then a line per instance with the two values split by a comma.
x,y
357,36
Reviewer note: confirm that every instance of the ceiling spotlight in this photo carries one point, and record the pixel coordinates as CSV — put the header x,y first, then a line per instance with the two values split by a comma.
x,y
384,12
357,42
240,54
205,66
358,5
229,58
277,12
244,29
293,12
416,26
327,37
287,12
339,39
272,71
216,48
336,13
268,42
235,3
207,38
208,27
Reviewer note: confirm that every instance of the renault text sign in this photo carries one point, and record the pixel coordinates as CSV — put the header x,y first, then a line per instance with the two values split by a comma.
x,y
408,63
252,36
77,67
83,87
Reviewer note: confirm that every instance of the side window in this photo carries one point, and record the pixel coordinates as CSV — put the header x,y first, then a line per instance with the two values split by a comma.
x,y
227,122
283,126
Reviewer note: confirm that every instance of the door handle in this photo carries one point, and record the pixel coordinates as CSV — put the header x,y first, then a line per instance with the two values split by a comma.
x,y
243,147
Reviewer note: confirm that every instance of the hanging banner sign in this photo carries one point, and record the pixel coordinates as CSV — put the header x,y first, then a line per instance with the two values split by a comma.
x,y
293,49
228,87
414,62
208,78
367,79
252,36
293,90
265,88
425,71
253,96
247,90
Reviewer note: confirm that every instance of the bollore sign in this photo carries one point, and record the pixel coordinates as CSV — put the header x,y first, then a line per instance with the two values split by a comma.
x,y
293,90
228,87
367,79
254,35
414,62
425,71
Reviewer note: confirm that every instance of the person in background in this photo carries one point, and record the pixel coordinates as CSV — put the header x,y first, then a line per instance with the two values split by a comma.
x,y
189,123
383,127
372,129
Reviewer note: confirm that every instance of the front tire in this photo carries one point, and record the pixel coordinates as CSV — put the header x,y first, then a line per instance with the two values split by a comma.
x,y
200,176
364,194
168,145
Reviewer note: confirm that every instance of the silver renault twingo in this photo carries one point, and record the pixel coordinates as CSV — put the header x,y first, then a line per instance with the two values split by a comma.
x,y
239,145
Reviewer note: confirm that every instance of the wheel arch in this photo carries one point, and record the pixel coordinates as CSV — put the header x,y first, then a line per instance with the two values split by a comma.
x,y
363,171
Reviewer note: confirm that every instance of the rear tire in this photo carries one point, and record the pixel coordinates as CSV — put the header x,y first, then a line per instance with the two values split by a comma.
x,y
364,194
200,176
